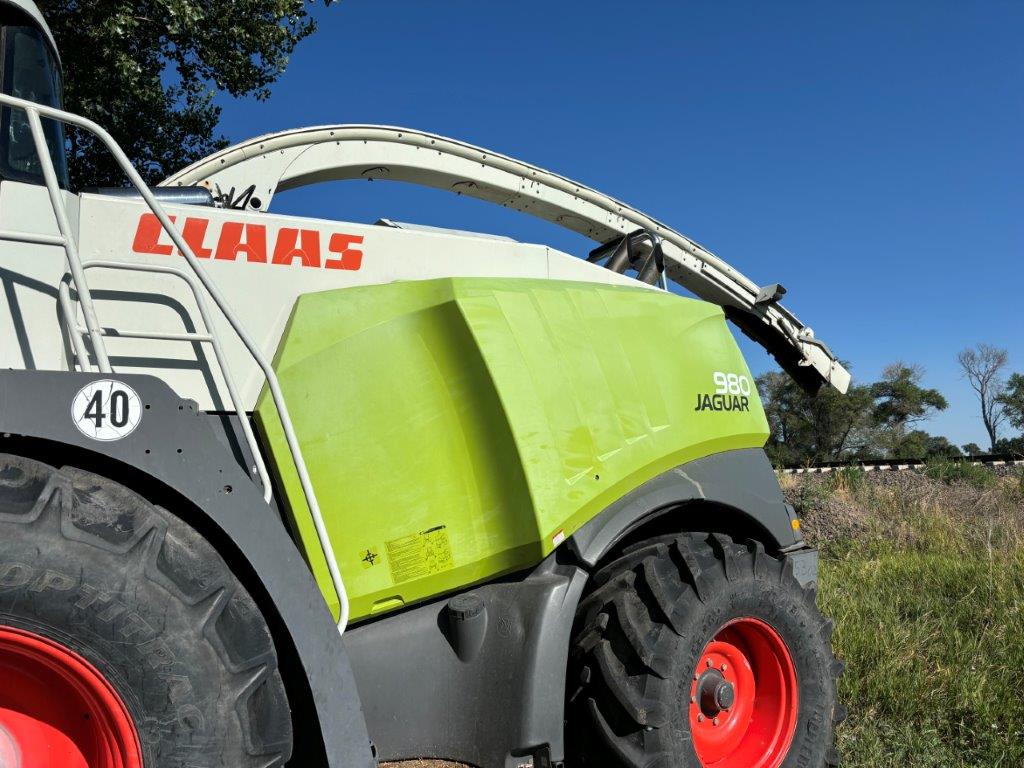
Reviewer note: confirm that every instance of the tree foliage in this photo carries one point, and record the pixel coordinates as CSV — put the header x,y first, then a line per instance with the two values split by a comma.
x,y
1011,445
918,444
879,420
869,420
809,428
1011,399
900,402
148,70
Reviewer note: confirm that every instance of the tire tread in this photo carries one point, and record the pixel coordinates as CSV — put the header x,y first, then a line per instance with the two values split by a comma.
x,y
160,547
631,625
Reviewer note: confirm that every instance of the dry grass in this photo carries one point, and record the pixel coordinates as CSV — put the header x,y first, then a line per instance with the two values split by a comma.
x,y
909,510
925,579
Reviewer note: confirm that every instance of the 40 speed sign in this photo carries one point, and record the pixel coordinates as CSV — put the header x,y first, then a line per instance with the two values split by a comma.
x,y
106,410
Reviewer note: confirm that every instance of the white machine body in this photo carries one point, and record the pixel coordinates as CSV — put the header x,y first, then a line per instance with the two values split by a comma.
x,y
261,262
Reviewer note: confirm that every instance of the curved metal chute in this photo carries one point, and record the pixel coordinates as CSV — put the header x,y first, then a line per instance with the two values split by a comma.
x,y
250,173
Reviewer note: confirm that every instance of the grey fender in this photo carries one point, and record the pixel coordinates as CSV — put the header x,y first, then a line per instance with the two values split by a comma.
x,y
741,484
491,697
182,451
496,698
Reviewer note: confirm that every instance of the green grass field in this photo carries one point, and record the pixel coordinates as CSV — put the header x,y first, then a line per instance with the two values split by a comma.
x,y
924,576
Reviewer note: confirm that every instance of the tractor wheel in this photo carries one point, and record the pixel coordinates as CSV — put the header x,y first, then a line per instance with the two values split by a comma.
x,y
696,652
125,640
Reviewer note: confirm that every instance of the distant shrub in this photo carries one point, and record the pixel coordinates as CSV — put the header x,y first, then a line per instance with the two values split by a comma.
x,y
851,479
953,472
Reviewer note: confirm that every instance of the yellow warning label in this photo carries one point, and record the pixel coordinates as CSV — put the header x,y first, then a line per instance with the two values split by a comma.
x,y
419,555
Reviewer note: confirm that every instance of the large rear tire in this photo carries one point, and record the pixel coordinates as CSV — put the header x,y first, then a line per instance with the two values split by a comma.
x,y
145,648
692,651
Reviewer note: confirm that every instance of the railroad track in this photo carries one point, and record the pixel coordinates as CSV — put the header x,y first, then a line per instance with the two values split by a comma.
x,y
900,465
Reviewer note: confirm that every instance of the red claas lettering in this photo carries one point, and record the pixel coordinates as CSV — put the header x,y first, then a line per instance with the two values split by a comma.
x,y
248,242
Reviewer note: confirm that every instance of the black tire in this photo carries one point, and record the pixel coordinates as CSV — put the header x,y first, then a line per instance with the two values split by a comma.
x,y
640,633
138,593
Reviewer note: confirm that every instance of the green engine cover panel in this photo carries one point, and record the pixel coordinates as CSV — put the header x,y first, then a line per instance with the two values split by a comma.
x,y
461,428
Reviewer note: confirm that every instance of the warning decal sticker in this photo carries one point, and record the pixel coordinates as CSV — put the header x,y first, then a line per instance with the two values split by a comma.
x,y
420,554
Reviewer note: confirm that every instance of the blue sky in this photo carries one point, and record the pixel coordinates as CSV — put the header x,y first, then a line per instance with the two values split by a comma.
x,y
867,155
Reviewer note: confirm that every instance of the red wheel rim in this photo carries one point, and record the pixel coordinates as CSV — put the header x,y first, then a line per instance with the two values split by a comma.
x,y
743,698
58,711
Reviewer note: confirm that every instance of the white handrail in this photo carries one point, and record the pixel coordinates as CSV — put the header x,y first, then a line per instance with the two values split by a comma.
x,y
210,337
34,111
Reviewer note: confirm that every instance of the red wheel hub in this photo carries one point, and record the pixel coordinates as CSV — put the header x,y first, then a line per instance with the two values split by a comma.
x,y
743,698
58,711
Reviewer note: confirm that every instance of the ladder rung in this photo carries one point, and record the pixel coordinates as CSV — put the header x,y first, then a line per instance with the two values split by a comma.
x,y
34,238
154,335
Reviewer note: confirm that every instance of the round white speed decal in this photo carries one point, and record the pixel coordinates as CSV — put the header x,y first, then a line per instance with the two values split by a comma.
x,y
106,410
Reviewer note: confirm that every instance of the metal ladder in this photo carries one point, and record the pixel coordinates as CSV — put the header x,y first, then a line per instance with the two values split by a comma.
x,y
198,281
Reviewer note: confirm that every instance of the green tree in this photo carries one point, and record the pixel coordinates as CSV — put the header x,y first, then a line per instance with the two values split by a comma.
x,y
807,428
867,420
971,449
918,444
148,70
901,402
1012,400
1012,445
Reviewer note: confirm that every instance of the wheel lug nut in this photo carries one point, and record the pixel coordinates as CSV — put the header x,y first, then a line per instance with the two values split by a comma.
x,y
725,667
715,721
700,718
693,699
708,662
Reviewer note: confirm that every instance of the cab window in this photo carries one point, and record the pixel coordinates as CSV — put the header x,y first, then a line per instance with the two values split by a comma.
x,y
29,71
